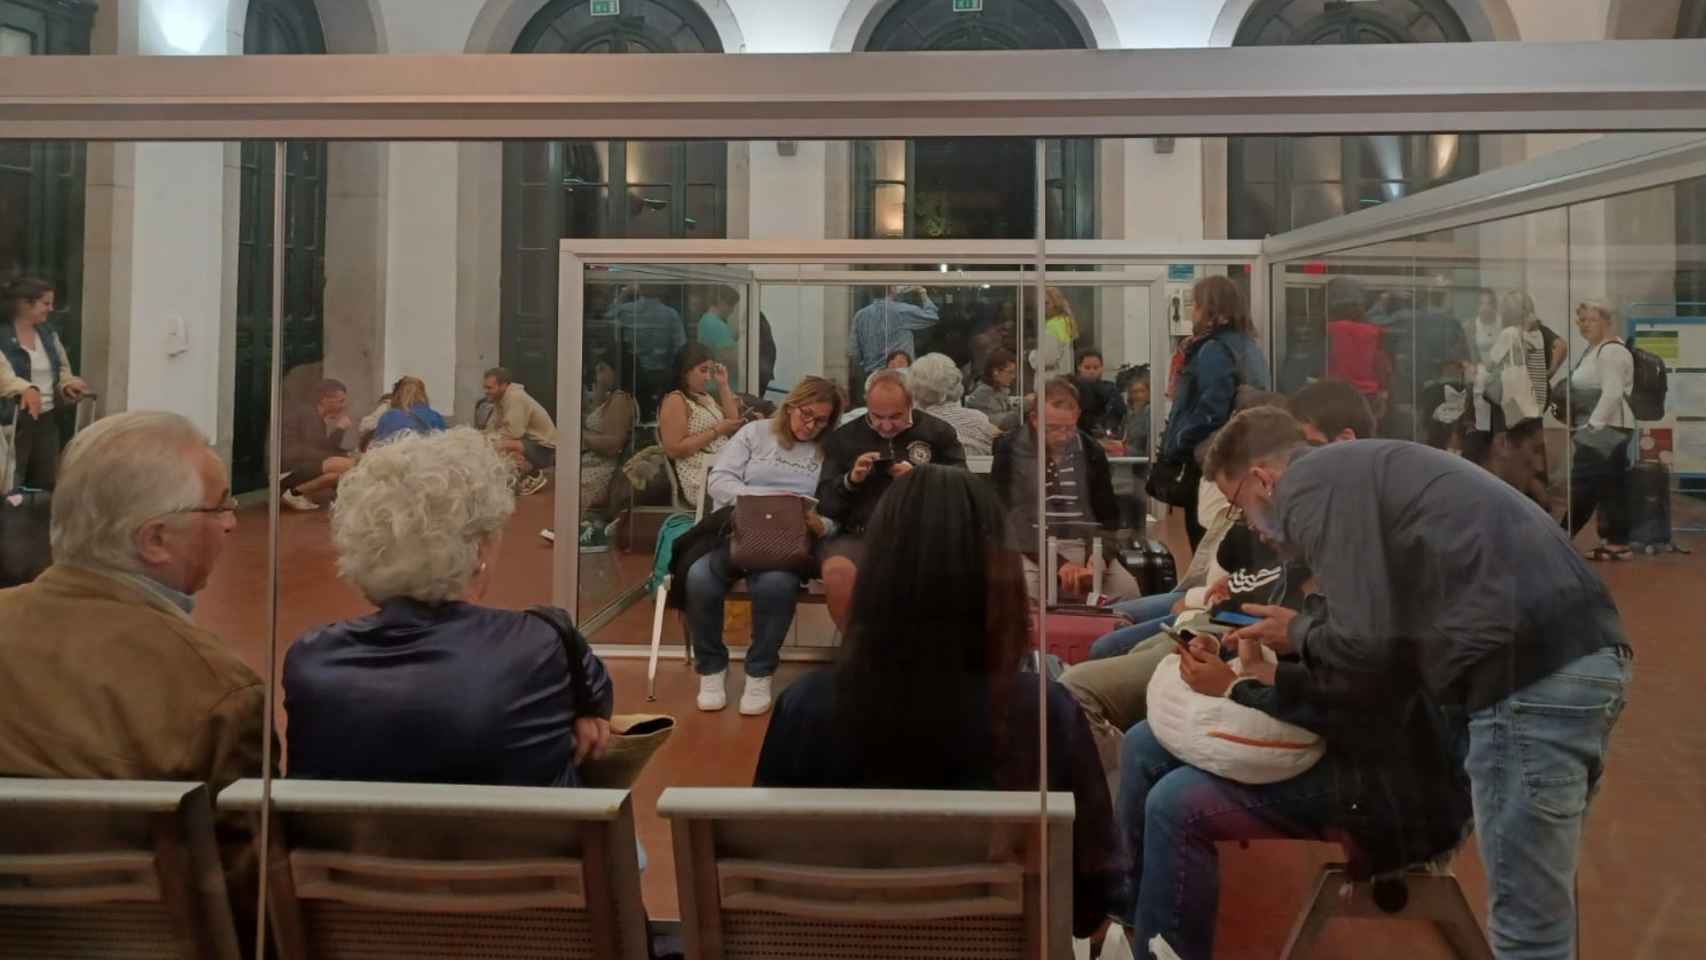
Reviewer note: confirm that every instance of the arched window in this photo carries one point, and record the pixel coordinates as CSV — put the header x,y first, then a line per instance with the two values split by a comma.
x,y
554,190
1691,196
41,182
1275,184
979,189
277,27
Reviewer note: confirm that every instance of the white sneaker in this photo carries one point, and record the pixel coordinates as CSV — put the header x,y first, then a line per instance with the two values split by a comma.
x,y
755,699
297,501
533,483
711,695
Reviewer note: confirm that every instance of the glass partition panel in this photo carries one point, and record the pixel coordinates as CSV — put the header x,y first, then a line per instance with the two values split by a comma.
x,y
1530,346
135,643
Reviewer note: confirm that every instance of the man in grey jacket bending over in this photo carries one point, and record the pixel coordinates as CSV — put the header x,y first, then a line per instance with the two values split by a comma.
x,y
1424,557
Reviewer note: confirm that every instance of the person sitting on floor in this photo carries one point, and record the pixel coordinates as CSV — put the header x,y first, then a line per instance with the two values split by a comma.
x,y
103,673
434,687
607,428
316,447
780,455
937,389
928,693
1080,496
410,411
694,425
862,459
521,429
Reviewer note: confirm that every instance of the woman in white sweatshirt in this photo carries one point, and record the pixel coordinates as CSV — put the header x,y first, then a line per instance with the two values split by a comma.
x,y
1602,426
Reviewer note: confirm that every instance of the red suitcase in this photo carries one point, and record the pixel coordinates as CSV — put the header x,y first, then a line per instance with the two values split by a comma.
x,y
1072,629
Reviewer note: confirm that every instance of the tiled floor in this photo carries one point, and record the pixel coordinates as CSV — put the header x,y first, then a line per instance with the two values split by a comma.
x,y
1644,848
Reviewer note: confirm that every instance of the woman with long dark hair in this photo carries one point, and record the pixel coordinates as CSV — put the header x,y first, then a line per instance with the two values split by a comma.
x,y
928,692
693,425
35,376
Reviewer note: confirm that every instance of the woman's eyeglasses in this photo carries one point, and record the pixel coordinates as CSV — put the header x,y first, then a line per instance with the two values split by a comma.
x,y
809,419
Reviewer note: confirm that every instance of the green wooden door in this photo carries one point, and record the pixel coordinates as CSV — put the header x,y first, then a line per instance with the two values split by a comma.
x,y
276,27
41,184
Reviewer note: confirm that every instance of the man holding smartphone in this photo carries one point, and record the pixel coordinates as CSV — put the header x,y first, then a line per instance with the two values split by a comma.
x,y
1429,565
860,461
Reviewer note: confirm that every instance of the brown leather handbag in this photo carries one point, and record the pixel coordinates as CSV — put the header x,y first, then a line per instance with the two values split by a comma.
x,y
770,533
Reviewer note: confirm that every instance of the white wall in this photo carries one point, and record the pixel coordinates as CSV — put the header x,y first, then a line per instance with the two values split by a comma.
x,y
155,251
420,289
177,236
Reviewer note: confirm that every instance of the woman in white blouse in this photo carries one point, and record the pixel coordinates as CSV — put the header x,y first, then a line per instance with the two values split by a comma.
x,y
1602,426
35,374
775,456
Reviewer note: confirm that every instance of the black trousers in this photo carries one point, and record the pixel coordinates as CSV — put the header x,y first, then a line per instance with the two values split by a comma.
x,y
37,448
1600,481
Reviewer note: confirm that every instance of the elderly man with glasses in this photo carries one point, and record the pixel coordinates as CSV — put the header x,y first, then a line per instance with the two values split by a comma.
x,y
861,459
103,673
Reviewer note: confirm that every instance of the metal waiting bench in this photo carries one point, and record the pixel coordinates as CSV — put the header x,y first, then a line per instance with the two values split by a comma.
x,y
422,871
111,868
871,874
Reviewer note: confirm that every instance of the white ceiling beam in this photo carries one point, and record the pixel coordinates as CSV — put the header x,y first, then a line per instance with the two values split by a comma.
x,y
1464,87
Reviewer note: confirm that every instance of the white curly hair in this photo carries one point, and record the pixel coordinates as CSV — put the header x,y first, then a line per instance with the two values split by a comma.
x,y
935,380
412,515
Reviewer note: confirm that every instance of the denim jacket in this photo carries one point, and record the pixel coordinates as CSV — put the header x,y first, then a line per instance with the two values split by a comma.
x,y
1215,367
18,359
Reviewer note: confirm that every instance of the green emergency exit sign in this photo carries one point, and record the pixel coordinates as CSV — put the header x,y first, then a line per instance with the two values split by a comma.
x,y
611,8
968,6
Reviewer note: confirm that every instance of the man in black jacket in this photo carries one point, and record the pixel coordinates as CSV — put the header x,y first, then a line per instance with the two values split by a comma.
x,y
1079,501
860,461
1425,560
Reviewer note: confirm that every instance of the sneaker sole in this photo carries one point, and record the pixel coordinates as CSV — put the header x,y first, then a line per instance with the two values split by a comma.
x,y
745,711
704,709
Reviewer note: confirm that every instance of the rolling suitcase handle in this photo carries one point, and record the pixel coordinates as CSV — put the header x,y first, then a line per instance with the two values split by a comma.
x,y
85,412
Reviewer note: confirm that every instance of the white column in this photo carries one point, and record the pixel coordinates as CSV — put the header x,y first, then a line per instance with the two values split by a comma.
x,y
155,256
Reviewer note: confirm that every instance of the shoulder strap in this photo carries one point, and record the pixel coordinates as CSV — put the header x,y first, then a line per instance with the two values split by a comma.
x,y
574,649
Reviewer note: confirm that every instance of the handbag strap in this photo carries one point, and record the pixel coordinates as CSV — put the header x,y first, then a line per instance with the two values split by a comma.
x,y
574,648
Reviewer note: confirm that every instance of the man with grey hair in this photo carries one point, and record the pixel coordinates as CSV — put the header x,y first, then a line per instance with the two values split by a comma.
x,y
102,672
861,459
103,675
1434,573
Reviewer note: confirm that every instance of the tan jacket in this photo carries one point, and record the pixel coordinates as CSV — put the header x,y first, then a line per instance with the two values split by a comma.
x,y
520,416
100,678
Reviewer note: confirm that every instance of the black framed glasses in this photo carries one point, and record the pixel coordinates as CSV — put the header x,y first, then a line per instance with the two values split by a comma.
x,y
228,505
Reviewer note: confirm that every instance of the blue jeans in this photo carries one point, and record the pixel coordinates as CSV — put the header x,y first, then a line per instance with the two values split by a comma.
x,y
775,593
1146,614
1170,817
1118,643
1535,759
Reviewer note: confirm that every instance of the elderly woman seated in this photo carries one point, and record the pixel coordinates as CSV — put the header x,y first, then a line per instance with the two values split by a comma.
x,y
776,456
434,687
937,387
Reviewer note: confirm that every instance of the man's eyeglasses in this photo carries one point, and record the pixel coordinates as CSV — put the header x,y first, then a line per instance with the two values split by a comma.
x,y
228,505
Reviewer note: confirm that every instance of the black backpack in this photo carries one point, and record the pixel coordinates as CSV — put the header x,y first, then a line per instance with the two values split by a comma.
x,y
1652,382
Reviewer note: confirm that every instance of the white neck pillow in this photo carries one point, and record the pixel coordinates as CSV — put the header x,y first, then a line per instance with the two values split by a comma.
x,y
1225,738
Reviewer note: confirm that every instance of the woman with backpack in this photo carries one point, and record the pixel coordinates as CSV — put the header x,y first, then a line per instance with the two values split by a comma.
x,y
1602,425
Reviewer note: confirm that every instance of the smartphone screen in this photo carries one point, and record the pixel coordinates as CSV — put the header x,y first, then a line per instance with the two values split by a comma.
x,y
1232,618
